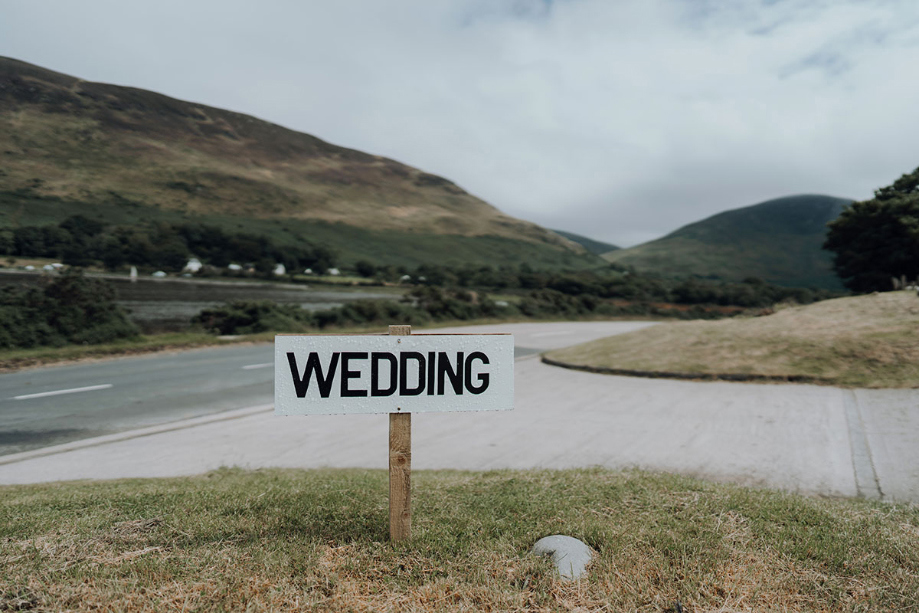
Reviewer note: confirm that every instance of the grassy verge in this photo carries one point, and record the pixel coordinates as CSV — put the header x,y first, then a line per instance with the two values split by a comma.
x,y
13,359
316,540
863,341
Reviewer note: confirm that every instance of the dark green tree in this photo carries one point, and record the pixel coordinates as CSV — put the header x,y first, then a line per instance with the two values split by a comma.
x,y
878,239
365,268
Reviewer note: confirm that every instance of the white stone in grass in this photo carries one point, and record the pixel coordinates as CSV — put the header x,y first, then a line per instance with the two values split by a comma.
x,y
569,555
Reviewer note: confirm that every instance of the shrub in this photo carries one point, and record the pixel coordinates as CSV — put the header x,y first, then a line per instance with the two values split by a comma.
x,y
243,317
68,309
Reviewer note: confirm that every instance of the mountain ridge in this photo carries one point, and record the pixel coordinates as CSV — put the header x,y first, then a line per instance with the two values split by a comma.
x,y
85,142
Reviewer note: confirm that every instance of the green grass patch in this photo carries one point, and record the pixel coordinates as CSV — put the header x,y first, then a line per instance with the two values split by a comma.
x,y
863,341
317,540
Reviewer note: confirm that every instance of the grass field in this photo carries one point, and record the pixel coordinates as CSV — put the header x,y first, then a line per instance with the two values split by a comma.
x,y
863,341
281,540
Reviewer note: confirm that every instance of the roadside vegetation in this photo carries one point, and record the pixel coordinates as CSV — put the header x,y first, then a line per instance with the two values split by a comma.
x,y
317,540
420,306
69,309
560,297
14,359
72,316
861,341
84,242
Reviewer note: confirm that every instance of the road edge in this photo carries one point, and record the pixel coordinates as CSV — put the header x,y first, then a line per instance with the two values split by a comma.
x,y
137,433
655,374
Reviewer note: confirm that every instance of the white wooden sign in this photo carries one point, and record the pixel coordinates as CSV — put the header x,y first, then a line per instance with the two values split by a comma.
x,y
420,373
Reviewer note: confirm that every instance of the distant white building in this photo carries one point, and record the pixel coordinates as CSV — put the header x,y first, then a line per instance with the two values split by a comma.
x,y
194,265
334,272
280,270
405,278
308,271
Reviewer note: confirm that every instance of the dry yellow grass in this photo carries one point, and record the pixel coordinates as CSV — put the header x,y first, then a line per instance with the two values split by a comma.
x,y
864,341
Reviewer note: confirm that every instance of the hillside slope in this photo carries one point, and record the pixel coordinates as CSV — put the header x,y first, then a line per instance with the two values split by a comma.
x,y
778,240
92,144
592,246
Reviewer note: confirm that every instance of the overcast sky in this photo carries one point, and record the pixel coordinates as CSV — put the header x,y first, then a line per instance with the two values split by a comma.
x,y
617,119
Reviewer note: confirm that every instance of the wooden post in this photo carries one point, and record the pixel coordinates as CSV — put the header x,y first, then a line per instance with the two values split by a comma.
x,y
400,466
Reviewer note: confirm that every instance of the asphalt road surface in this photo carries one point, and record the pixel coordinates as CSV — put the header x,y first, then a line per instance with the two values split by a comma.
x,y
54,405
802,438
45,406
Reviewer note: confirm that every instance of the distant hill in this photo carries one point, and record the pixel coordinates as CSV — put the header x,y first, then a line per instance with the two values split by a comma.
x,y
779,241
592,246
71,146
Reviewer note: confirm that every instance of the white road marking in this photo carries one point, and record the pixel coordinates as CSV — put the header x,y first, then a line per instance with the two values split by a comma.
x,y
90,388
254,366
556,333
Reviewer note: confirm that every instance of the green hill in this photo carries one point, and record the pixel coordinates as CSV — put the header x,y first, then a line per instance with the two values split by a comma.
x,y
779,241
69,146
592,246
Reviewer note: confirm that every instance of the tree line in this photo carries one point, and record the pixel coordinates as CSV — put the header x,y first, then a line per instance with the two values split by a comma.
x,y
611,282
81,241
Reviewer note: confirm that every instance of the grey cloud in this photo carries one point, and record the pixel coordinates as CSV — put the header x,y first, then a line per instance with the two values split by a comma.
x,y
619,120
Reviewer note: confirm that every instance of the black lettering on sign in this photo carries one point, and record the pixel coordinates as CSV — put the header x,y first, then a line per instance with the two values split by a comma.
x,y
375,389
456,376
404,389
432,372
431,365
302,384
347,374
482,378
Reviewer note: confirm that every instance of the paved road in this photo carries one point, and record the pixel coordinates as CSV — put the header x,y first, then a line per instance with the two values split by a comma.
x,y
48,406
121,394
809,439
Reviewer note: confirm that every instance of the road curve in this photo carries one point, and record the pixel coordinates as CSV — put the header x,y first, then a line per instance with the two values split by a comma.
x,y
802,438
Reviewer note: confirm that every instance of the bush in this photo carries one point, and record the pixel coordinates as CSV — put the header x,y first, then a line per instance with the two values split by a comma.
x,y
69,309
421,306
243,317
